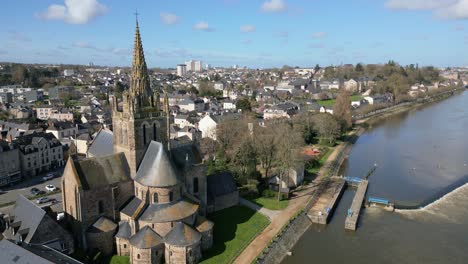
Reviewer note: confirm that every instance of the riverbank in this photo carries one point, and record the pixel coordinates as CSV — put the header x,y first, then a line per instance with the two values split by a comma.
x,y
332,166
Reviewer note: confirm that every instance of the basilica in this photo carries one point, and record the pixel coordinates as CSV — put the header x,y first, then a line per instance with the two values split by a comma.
x,y
148,199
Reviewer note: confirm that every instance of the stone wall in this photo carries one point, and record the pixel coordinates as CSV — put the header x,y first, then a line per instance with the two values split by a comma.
x,y
176,255
123,247
226,201
285,241
146,256
103,241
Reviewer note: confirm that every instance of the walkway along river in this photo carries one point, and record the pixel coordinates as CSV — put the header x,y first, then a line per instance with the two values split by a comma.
x,y
422,158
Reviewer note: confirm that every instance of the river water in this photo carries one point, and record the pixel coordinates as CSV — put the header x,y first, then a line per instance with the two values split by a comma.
x,y
422,163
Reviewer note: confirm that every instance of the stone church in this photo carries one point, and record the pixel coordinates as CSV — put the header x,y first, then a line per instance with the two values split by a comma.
x,y
147,200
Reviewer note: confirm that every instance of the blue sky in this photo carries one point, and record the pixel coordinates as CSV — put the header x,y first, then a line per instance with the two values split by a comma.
x,y
253,33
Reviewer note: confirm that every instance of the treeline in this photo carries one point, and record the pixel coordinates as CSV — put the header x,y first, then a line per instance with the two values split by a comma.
x,y
252,151
390,77
28,76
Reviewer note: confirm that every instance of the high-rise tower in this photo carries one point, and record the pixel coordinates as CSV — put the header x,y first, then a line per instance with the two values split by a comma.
x,y
140,118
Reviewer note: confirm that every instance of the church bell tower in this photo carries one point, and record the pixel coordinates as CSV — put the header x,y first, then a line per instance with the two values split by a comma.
x,y
140,118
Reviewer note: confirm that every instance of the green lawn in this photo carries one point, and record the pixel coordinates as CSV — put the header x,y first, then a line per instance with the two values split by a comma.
x,y
331,102
234,229
119,260
270,203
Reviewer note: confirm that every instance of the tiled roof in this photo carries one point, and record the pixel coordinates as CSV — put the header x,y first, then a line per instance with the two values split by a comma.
x,y
146,238
102,171
169,212
182,235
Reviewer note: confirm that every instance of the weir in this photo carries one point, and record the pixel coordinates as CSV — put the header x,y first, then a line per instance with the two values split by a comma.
x,y
352,217
322,209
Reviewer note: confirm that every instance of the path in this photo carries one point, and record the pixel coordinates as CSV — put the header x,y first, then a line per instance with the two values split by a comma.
x,y
264,211
296,204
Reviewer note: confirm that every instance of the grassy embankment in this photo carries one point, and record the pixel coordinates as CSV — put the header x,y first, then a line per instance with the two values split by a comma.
x,y
234,229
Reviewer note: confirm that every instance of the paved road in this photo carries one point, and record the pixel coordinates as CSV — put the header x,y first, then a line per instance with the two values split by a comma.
x,y
9,194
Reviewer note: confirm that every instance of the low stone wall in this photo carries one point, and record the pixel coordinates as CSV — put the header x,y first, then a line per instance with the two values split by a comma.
x,y
284,241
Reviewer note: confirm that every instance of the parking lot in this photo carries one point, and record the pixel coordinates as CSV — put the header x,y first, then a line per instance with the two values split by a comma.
x,y
9,194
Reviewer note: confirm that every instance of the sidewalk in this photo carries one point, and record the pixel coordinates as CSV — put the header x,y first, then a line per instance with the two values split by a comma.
x,y
264,211
296,204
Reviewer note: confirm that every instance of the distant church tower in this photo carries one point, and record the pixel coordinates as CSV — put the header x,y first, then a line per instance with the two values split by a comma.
x,y
140,120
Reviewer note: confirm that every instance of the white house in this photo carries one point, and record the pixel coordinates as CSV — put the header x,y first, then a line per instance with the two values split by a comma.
x,y
229,105
207,126
326,109
351,85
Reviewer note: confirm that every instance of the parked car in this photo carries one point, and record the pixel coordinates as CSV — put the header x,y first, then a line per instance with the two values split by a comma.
x,y
49,176
35,191
43,200
50,188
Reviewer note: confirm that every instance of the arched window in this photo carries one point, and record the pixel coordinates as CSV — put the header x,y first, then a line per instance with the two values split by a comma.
x,y
142,194
155,197
144,134
171,196
195,185
138,256
190,252
125,245
120,135
154,132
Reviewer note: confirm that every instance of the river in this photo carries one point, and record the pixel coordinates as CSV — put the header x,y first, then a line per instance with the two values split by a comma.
x,y
422,163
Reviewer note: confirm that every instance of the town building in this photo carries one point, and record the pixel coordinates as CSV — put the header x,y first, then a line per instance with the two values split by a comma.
x,y
181,70
39,152
10,169
32,225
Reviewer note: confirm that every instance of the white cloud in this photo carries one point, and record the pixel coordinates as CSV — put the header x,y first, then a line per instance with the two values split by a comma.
x,y
458,10
169,18
274,6
247,28
320,35
445,9
418,4
74,11
203,26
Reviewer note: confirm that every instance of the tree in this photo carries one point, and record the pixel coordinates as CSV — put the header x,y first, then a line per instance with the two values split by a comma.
x,y
265,149
359,67
342,108
317,68
288,143
327,126
243,104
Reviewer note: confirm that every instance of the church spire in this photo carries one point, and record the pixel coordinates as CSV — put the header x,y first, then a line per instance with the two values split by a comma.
x,y
140,82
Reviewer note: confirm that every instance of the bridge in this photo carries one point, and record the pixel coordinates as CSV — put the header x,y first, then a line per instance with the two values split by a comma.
x,y
373,201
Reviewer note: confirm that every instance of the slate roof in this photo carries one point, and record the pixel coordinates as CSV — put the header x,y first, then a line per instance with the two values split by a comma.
x,y
133,208
12,253
28,216
103,224
182,235
146,238
34,138
220,184
202,224
156,169
124,230
102,171
169,212
102,144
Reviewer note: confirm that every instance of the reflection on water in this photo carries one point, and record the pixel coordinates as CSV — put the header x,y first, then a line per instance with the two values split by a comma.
x,y
421,156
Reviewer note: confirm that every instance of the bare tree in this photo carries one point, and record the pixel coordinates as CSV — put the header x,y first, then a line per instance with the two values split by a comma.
x,y
342,108
327,127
